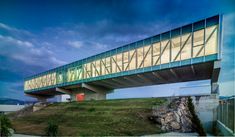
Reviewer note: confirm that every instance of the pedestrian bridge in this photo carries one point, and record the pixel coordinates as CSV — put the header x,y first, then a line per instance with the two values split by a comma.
x,y
188,53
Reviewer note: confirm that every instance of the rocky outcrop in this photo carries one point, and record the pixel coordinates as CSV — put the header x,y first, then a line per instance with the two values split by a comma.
x,y
174,116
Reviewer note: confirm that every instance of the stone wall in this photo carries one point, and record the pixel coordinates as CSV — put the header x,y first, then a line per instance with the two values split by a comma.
x,y
173,116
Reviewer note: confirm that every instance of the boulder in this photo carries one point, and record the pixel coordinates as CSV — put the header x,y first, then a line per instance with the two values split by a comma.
x,y
175,125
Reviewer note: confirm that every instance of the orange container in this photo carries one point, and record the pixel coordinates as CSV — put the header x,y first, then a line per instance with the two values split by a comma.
x,y
80,97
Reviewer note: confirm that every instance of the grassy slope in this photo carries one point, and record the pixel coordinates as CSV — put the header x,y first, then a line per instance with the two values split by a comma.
x,y
110,117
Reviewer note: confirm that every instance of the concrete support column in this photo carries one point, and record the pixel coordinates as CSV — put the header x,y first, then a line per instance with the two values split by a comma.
x,y
97,93
215,77
95,96
214,88
64,91
205,107
73,97
91,92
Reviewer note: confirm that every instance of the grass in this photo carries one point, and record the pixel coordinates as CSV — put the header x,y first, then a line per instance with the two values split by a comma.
x,y
93,118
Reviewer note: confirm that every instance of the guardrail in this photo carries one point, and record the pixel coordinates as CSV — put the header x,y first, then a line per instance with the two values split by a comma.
x,y
225,115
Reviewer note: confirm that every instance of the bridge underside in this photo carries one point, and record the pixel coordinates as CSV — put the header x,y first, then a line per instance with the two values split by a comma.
x,y
201,71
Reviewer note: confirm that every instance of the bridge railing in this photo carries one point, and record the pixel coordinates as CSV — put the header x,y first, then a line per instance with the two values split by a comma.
x,y
225,113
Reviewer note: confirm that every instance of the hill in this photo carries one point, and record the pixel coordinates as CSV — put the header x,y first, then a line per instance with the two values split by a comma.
x,y
89,118
8,101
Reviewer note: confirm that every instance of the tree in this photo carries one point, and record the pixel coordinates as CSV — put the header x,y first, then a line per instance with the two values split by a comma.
x,y
5,126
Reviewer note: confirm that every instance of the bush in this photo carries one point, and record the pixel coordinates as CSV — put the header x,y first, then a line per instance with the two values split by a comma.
x,y
91,109
5,126
199,128
52,129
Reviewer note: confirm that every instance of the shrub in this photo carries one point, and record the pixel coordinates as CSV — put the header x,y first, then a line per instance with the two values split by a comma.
x,y
199,128
5,126
52,129
91,109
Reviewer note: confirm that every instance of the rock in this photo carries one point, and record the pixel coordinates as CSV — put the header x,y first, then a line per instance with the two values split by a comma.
x,y
177,117
169,118
175,125
173,117
11,131
163,128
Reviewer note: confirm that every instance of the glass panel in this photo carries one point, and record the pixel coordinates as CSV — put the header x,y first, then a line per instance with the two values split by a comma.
x,y
156,53
107,65
140,54
48,79
102,64
119,62
147,55
70,74
88,70
198,51
132,60
186,46
114,66
165,51
53,78
211,40
98,68
125,60
175,45
93,69
198,43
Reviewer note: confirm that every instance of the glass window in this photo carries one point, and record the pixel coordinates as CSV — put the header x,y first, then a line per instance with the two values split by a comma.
x,y
140,54
186,46
211,40
79,73
119,62
53,78
107,65
93,69
132,60
114,66
102,65
147,55
98,68
175,49
59,78
156,53
87,70
165,52
198,43
125,60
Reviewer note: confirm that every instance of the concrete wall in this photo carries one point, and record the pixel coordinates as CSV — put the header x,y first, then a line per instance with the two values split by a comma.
x,y
95,96
205,107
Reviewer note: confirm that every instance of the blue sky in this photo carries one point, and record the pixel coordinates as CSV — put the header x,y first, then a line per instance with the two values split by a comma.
x,y
39,35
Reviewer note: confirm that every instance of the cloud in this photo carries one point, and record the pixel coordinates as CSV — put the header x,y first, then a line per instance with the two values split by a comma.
x,y
75,44
30,51
14,31
14,41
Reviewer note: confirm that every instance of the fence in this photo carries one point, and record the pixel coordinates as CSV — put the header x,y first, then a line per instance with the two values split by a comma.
x,y
225,113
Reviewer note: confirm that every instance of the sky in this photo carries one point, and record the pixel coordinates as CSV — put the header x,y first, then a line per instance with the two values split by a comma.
x,y
40,35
